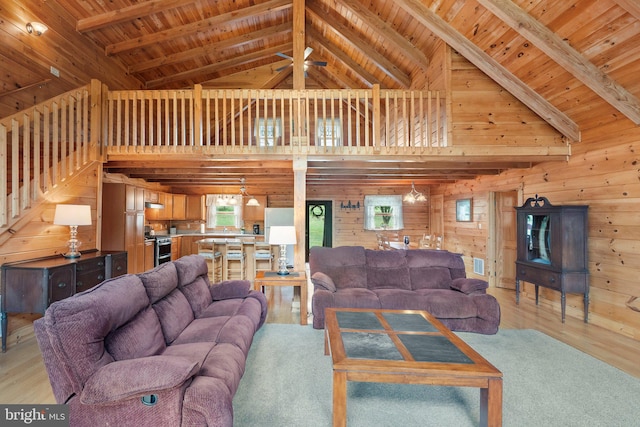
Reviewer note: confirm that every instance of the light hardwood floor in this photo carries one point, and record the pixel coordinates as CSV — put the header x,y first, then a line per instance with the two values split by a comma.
x,y
24,380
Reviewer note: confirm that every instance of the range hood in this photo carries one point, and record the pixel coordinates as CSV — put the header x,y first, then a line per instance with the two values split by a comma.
x,y
152,205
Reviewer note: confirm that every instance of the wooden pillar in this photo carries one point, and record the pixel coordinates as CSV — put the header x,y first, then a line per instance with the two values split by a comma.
x,y
299,207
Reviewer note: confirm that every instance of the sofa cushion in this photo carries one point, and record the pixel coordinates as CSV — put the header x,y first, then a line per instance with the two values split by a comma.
x,y
436,258
323,281
198,294
430,278
140,337
346,265
174,313
469,285
189,268
387,269
230,289
160,281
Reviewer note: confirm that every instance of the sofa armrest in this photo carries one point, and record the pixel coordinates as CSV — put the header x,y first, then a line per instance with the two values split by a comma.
x,y
124,379
321,280
230,289
469,286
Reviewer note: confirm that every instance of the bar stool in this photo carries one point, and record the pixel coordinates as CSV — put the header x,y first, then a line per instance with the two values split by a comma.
x,y
262,257
206,249
234,259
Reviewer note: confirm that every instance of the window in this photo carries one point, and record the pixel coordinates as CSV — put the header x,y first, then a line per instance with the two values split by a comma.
x,y
267,131
224,211
383,213
328,132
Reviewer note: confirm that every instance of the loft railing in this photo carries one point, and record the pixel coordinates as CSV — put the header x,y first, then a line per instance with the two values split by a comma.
x,y
44,145
356,121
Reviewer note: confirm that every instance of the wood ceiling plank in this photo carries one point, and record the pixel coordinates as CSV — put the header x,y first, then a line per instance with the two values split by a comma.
x,y
565,55
316,39
269,53
387,32
493,69
213,49
631,6
355,39
128,13
199,26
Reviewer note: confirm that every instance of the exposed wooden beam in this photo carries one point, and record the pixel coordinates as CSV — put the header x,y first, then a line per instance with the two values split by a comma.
x,y
631,6
220,65
358,42
387,32
128,13
299,44
198,26
566,56
278,78
492,68
214,49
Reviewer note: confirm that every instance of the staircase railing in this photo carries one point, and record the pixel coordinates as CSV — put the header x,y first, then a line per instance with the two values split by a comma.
x,y
43,146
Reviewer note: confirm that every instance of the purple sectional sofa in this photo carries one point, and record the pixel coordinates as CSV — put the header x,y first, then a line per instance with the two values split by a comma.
x,y
161,348
414,279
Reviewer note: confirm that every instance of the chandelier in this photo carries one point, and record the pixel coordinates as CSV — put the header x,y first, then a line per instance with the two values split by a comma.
x,y
414,196
230,200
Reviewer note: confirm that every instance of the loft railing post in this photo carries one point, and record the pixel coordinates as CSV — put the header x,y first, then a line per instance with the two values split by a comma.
x,y
197,115
375,95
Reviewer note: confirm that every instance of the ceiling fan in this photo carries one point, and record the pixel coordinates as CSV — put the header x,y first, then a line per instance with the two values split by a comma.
x,y
307,63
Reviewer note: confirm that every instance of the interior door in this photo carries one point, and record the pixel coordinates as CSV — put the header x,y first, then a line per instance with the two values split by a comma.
x,y
505,239
318,225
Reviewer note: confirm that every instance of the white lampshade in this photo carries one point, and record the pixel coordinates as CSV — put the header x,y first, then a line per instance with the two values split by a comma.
x,y
72,215
282,235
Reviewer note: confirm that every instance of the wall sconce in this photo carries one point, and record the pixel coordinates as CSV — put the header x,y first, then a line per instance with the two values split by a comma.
x,y
73,216
282,235
36,28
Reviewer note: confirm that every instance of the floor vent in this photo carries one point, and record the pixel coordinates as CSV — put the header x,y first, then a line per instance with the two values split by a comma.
x,y
478,266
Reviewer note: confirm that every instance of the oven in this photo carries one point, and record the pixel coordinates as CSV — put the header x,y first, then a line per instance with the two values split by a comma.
x,y
162,250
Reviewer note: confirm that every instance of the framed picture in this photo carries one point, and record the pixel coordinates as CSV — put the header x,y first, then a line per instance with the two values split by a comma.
x,y
463,210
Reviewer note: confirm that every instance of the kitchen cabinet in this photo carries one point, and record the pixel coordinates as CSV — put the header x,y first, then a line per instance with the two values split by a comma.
x,y
254,213
149,254
552,249
176,247
179,206
167,200
196,209
123,222
31,286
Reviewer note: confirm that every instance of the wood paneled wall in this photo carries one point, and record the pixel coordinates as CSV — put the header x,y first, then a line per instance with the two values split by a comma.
x,y
603,174
38,237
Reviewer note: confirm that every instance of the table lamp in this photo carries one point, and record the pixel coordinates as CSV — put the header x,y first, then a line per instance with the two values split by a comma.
x,y
282,235
73,216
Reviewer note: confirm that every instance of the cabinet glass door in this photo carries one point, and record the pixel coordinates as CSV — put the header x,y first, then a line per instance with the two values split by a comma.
x,y
538,237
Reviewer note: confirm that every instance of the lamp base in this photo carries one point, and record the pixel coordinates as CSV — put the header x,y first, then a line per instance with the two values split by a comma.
x,y
283,273
72,255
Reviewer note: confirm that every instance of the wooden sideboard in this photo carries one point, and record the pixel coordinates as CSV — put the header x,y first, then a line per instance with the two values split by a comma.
x,y
30,286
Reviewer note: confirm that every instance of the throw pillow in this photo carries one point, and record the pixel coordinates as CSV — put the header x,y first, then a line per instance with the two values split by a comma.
x,y
323,281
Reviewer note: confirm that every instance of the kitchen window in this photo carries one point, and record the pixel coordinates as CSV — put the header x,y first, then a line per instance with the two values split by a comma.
x,y
224,210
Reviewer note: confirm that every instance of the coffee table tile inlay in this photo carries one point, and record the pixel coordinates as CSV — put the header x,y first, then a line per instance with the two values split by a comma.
x,y
405,346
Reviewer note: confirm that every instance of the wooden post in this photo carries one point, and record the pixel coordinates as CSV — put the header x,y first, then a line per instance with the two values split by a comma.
x,y
299,207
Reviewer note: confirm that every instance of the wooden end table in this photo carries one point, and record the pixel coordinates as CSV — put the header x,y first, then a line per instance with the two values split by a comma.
x,y
272,278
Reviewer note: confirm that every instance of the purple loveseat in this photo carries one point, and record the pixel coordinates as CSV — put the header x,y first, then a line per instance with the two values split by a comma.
x,y
415,279
161,348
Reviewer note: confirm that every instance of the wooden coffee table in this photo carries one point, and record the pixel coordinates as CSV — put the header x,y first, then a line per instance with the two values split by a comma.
x,y
405,346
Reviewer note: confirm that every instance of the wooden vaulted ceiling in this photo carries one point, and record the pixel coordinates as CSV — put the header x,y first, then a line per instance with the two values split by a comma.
x,y
573,63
